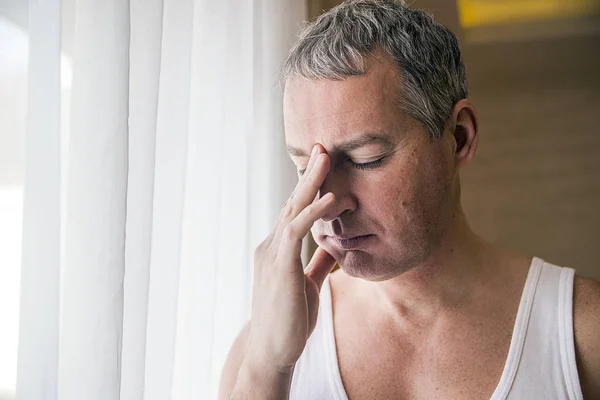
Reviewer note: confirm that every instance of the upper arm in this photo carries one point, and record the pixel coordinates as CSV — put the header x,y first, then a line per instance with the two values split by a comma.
x,y
586,323
233,363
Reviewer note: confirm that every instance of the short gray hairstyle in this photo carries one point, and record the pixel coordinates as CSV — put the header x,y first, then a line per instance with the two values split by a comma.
x,y
336,44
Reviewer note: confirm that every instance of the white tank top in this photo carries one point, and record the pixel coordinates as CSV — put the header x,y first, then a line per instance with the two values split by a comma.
x,y
541,358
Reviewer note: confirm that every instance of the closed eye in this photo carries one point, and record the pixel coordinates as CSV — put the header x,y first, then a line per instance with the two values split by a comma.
x,y
369,165
361,166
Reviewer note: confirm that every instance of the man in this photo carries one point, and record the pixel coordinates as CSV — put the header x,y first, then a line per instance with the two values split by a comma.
x,y
378,122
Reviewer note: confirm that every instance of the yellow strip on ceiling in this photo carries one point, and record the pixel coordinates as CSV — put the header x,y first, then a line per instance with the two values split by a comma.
x,y
495,12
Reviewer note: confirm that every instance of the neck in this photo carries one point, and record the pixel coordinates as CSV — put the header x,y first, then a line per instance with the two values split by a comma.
x,y
443,282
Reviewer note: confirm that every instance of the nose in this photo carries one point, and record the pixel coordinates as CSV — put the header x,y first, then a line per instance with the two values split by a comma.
x,y
338,183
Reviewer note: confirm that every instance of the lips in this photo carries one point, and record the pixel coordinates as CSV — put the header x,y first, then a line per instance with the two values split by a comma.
x,y
350,242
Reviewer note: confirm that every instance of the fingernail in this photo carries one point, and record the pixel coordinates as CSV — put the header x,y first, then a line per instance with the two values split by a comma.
x,y
315,150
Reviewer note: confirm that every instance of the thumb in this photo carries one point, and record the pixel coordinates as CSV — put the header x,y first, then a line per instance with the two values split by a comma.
x,y
320,266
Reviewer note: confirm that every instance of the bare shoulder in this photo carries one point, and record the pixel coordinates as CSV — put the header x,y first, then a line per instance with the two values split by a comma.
x,y
586,324
233,363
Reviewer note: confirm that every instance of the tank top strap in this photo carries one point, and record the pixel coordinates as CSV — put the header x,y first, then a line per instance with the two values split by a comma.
x,y
566,333
317,373
330,347
519,331
541,362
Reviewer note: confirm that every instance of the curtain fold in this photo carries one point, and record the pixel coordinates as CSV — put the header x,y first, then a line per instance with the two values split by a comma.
x,y
215,216
176,171
37,369
144,59
169,178
92,281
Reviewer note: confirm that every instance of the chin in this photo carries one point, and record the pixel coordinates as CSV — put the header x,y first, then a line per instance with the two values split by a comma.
x,y
363,265
359,264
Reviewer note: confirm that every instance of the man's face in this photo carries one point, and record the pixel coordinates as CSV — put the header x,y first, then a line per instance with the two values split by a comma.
x,y
396,189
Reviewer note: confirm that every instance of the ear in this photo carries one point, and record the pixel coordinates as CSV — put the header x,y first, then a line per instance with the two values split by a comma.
x,y
464,129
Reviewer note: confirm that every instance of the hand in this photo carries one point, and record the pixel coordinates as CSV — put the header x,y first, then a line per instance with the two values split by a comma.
x,y
286,297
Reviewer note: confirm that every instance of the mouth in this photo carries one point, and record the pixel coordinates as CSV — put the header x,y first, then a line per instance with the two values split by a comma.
x,y
350,242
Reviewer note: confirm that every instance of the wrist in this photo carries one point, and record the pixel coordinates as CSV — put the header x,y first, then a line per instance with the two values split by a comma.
x,y
260,379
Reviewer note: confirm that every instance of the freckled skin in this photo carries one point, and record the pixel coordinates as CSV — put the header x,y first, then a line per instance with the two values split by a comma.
x,y
406,202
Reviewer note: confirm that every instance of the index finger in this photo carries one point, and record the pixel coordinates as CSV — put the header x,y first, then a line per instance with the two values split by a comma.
x,y
299,200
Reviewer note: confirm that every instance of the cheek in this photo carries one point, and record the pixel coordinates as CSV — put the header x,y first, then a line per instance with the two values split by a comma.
x,y
388,195
430,195
410,193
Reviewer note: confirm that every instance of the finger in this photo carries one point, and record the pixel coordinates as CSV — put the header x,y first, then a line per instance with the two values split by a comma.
x,y
286,209
290,244
309,189
303,196
316,150
320,266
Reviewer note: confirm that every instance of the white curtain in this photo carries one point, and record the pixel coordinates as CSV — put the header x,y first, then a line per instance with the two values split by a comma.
x,y
137,258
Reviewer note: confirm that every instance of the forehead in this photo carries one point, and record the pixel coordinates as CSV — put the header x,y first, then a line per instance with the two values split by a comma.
x,y
327,111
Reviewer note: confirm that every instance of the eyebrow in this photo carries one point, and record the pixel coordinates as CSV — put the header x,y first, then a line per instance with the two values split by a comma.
x,y
363,140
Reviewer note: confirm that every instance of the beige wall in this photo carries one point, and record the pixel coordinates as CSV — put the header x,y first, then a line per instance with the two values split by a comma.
x,y
534,185
535,182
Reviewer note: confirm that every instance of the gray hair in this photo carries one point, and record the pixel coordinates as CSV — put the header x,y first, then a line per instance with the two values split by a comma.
x,y
336,44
